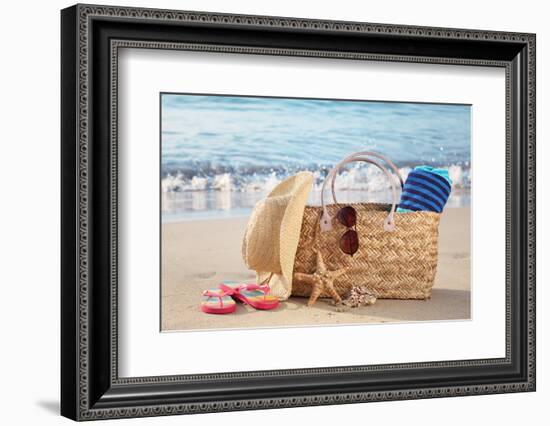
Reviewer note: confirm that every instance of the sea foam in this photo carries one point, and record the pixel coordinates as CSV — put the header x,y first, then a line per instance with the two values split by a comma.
x,y
355,178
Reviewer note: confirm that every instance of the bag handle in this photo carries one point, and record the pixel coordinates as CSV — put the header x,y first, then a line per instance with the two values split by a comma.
x,y
389,224
356,157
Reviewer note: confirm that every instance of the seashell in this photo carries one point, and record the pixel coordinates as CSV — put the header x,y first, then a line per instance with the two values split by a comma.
x,y
359,296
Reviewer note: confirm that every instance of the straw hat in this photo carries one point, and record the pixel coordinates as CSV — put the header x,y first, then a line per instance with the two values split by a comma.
x,y
271,237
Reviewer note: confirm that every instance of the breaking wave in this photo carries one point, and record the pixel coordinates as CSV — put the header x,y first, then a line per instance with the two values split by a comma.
x,y
356,178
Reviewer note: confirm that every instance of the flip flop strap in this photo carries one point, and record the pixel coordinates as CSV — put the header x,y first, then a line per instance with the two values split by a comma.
x,y
264,288
218,294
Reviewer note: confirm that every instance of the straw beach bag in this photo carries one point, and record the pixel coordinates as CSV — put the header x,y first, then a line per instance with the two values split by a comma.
x,y
397,254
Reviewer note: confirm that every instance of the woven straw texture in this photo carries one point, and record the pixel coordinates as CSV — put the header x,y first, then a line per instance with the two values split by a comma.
x,y
391,265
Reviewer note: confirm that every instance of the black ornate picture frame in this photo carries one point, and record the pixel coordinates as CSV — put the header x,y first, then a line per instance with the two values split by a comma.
x,y
91,387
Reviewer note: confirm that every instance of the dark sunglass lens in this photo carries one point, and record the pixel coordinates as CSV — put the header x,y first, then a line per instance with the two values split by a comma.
x,y
347,216
349,242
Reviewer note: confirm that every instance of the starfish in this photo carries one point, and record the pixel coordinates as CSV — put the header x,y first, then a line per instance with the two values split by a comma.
x,y
321,280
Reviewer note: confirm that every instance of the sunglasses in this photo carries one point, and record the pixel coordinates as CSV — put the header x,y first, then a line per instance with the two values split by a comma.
x,y
349,241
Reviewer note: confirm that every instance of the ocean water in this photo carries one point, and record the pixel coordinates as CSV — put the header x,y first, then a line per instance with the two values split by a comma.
x,y
221,154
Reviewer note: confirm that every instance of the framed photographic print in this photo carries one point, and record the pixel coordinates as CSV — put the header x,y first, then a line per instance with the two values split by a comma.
x,y
263,212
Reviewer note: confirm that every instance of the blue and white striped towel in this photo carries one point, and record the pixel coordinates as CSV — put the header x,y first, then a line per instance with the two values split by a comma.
x,y
426,189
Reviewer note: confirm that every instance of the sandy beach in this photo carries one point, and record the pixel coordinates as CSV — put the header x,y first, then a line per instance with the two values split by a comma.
x,y
197,255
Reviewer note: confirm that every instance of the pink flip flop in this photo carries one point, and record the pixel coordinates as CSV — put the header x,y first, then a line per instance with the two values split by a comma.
x,y
251,294
217,301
